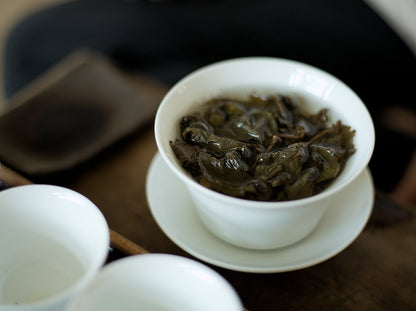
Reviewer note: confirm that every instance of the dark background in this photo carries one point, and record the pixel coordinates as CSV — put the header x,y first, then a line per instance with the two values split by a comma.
x,y
168,39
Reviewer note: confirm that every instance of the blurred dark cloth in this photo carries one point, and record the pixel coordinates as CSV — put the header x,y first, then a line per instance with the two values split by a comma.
x,y
168,39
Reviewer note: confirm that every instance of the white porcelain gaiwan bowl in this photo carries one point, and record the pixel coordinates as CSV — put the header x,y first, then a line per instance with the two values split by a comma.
x,y
255,224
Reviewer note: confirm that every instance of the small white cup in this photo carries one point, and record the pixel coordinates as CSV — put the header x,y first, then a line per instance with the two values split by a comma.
x,y
157,282
53,241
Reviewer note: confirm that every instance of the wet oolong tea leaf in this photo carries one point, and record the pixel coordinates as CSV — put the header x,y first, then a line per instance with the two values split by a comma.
x,y
263,148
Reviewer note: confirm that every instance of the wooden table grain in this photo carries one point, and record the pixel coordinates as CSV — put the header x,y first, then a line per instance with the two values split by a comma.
x,y
376,272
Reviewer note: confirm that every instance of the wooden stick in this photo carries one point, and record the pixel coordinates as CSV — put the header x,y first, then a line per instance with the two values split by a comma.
x,y
12,178
125,245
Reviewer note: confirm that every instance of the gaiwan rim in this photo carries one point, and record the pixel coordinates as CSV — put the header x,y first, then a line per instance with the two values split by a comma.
x,y
180,172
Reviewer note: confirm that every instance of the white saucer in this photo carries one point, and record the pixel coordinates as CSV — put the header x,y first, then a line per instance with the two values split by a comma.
x,y
174,212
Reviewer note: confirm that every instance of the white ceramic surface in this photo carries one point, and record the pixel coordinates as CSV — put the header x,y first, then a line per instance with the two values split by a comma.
x,y
246,223
173,209
157,282
53,241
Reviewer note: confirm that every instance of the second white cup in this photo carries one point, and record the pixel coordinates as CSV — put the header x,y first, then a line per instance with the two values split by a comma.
x,y
157,282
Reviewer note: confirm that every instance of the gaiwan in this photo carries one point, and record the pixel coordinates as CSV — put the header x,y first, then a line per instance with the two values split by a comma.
x,y
265,148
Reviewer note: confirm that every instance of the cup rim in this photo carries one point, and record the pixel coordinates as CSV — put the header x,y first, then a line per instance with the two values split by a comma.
x,y
88,275
246,203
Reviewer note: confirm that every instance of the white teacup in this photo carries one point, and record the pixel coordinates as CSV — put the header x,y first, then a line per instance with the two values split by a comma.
x,y
53,241
157,282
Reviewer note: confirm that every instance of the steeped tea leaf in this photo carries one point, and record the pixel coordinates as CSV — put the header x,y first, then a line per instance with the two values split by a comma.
x,y
264,148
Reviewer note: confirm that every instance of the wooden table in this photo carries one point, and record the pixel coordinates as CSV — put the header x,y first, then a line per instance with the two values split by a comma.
x,y
376,272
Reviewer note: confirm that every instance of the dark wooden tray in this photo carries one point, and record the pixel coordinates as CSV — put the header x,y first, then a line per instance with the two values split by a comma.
x,y
72,112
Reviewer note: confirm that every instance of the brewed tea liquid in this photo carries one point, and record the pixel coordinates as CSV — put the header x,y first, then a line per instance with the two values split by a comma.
x,y
34,267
